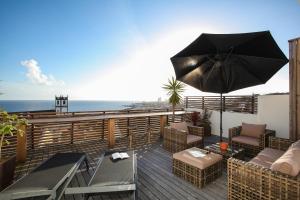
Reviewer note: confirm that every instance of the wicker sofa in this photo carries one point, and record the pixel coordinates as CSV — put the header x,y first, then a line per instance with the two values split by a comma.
x,y
255,180
180,136
252,145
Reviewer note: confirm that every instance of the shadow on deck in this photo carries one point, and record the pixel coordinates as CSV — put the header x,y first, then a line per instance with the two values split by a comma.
x,y
155,178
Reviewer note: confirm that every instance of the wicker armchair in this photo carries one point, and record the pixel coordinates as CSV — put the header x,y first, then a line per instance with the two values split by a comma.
x,y
175,140
249,181
250,150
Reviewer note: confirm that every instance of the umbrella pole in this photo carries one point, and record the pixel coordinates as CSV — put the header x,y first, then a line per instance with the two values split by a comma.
x,y
221,111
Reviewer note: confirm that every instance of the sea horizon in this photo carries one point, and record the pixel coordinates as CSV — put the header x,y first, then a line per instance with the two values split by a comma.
x,y
74,105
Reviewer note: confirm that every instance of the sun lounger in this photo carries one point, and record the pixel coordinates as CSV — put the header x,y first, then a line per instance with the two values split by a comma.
x,y
49,180
111,177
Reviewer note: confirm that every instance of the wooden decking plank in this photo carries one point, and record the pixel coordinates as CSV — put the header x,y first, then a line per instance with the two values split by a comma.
x,y
156,189
158,164
142,188
167,184
152,192
142,193
174,180
161,186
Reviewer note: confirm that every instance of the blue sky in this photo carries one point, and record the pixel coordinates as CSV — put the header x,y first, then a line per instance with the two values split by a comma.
x,y
120,50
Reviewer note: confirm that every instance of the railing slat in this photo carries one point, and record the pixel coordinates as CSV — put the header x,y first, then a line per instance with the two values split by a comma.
x,y
243,104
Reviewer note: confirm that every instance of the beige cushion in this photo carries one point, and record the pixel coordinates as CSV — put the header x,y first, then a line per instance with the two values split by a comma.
x,y
288,163
246,140
296,145
192,138
180,126
267,157
253,130
202,161
271,154
260,162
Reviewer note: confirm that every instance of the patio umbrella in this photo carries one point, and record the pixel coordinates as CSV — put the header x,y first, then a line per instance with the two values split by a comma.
x,y
221,63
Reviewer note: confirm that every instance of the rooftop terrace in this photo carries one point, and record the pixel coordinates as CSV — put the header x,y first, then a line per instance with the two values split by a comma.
x,y
141,130
155,178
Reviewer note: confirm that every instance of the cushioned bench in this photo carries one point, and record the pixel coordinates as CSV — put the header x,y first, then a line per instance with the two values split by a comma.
x,y
274,173
267,157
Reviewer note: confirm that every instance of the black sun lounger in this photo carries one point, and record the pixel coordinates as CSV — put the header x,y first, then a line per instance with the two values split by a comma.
x,y
47,181
111,177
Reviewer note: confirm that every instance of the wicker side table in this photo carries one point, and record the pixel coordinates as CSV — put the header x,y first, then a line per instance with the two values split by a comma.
x,y
197,170
230,153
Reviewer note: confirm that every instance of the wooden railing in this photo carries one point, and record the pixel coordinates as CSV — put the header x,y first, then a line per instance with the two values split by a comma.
x,y
243,104
50,129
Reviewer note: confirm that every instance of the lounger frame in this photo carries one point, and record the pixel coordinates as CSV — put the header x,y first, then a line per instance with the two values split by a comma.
x,y
54,193
97,190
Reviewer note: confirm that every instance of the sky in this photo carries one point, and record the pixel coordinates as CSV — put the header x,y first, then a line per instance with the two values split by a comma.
x,y
121,49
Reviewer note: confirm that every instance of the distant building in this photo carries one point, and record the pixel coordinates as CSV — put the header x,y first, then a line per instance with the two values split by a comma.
x,y
159,99
61,104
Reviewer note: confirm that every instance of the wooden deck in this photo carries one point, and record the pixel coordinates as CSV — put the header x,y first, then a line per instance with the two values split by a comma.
x,y
155,178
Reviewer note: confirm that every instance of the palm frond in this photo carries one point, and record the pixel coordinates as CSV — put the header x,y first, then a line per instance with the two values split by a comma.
x,y
174,90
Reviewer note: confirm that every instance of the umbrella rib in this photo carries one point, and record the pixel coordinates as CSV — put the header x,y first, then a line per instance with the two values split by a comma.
x,y
253,75
225,61
243,65
258,57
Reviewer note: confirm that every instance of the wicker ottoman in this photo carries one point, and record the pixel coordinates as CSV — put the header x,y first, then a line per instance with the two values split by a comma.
x,y
197,166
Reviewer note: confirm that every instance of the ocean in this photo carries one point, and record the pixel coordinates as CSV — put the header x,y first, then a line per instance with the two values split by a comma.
x,y
74,106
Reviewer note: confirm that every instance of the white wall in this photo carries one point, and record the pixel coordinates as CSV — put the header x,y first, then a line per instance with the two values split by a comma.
x,y
230,119
272,110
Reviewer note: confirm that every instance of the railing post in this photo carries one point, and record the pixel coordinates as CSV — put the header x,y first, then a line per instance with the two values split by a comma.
x,y
149,121
167,115
72,132
163,123
203,102
252,104
21,151
186,102
149,130
111,133
103,121
32,136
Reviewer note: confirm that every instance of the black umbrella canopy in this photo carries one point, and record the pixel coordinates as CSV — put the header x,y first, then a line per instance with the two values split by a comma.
x,y
222,63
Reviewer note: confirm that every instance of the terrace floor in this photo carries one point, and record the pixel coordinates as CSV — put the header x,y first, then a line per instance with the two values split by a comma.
x,y
155,178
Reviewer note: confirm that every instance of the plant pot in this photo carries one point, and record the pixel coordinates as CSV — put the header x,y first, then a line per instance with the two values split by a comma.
x,y
223,146
207,129
7,171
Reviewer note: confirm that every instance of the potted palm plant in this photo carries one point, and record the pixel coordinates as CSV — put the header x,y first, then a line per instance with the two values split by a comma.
x,y
174,89
10,125
195,118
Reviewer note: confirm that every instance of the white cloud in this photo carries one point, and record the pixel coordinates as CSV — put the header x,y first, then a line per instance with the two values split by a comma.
x,y
35,74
